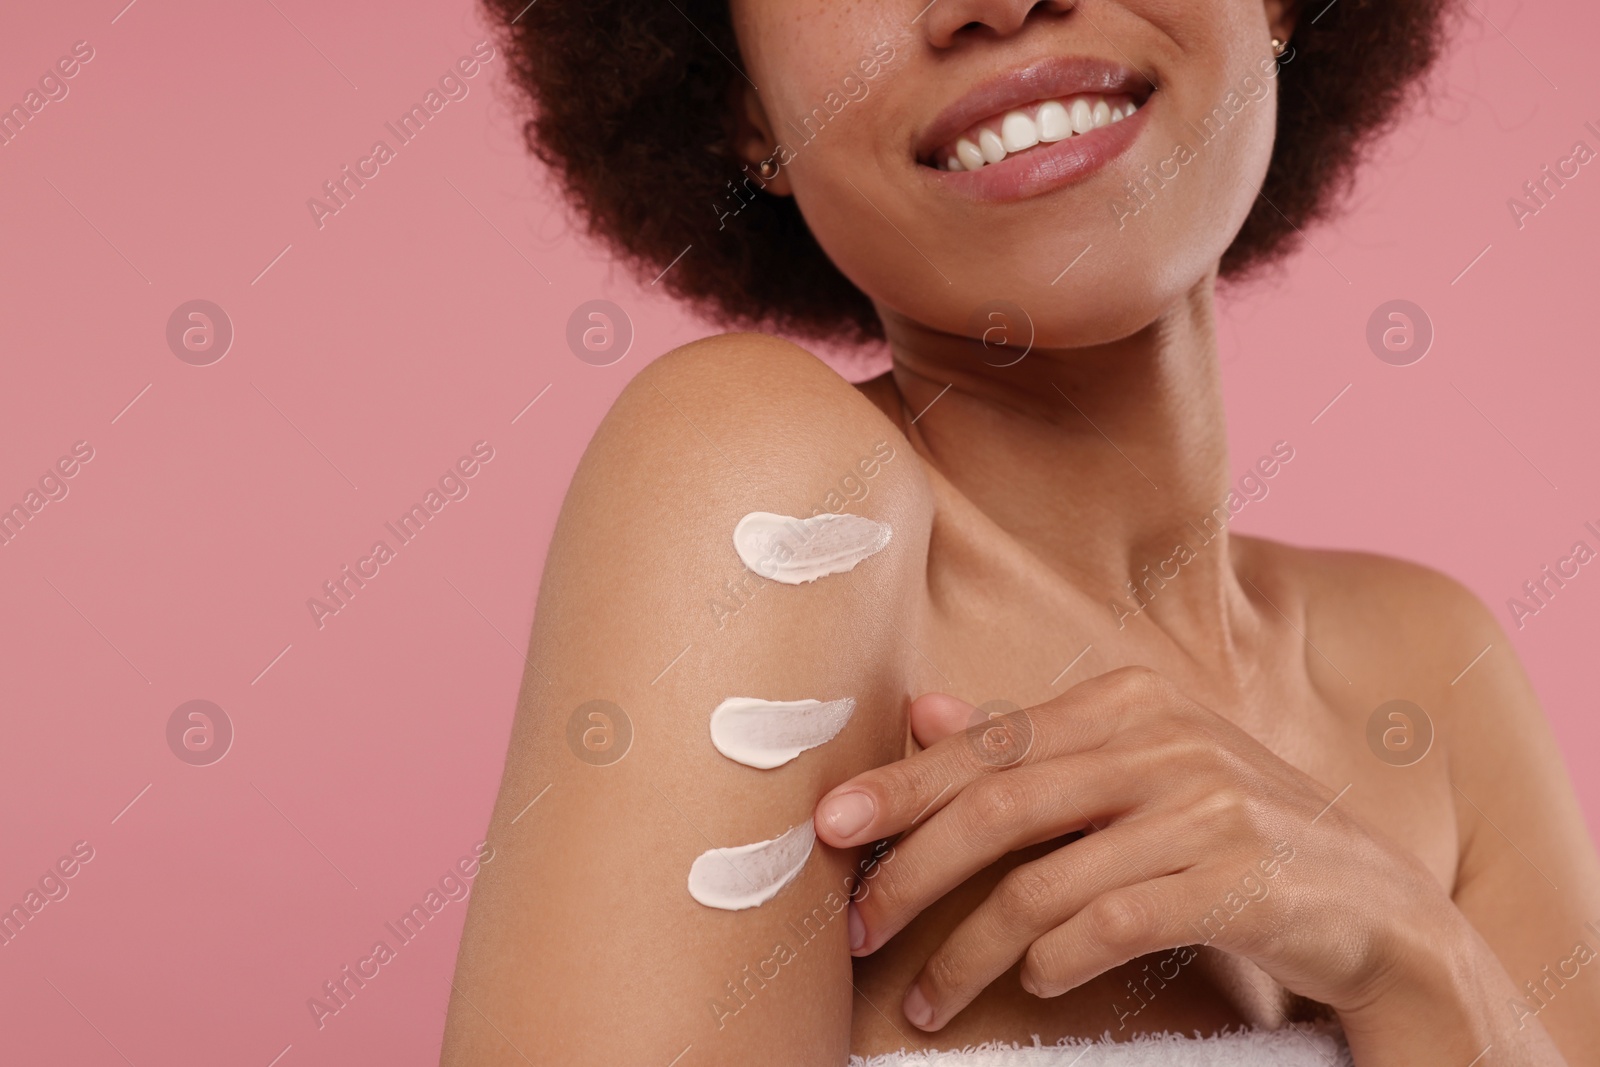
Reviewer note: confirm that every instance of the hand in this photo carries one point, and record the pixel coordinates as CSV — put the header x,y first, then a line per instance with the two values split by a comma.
x,y
1194,833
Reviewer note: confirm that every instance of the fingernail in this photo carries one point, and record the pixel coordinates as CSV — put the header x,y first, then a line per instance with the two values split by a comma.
x,y
858,929
848,813
917,1008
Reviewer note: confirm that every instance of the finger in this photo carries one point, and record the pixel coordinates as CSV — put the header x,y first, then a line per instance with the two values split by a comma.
x,y
1112,929
1034,899
897,796
990,818
935,716
890,799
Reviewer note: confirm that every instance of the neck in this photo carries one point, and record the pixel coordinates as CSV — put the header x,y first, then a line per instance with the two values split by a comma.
x,y
1100,459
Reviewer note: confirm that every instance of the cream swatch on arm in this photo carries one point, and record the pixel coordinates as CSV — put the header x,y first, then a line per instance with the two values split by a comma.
x,y
770,733
793,550
750,875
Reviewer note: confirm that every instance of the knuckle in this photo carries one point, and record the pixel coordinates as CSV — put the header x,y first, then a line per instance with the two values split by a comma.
x,y
1132,693
901,789
1209,757
884,896
1001,801
1120,920
909,778
1027,895
1221,810
1230,763
1191,748
1138,683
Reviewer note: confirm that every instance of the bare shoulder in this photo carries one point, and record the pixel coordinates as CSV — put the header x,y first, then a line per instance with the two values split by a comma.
x,y
1399,629
767,397
708,433
704,436
1527,877
753,417
649,618
1389,621
1396,629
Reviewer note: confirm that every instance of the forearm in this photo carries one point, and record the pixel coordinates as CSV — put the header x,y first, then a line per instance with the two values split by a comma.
x,y
1447,1000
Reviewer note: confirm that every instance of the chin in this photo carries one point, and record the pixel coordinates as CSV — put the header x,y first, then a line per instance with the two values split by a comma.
x,y
1113,292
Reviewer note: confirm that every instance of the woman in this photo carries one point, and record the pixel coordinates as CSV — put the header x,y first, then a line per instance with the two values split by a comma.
x,y
1078,761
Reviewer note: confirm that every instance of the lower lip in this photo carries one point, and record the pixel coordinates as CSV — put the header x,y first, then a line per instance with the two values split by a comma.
x,y
1045,168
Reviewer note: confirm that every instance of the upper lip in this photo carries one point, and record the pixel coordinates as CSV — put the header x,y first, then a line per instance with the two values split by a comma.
x,y
1043,79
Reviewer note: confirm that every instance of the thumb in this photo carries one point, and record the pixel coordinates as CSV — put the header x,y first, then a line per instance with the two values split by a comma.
x,y
936,716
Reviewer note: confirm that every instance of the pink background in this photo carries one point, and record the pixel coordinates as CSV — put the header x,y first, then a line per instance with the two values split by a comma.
x,y
377,349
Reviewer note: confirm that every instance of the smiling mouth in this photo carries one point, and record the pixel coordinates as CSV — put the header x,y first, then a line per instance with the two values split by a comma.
x,y
1020,130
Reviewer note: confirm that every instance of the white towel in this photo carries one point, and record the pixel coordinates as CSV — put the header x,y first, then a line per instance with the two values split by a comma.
x,y
1289,1047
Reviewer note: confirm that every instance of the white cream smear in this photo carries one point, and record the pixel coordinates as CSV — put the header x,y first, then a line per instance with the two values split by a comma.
x,y
750,875
770,733
792,550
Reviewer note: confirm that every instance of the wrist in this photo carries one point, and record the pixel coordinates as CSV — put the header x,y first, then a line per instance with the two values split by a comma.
x,y
1415,942
1423,987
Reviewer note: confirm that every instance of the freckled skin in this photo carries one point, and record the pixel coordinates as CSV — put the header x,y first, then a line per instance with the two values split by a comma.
x,y
1024,500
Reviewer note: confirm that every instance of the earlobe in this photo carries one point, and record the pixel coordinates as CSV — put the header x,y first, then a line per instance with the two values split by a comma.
x,y
754,144
1282,16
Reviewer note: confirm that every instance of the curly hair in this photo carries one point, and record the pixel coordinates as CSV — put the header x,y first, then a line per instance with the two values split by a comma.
x,y
628,105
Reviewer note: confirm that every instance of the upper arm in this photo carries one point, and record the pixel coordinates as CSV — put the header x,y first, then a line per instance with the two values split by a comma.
x,y
582,938
1528,880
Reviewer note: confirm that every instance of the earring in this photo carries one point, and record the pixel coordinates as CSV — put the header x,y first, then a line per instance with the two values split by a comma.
x,y
768,169
1278,46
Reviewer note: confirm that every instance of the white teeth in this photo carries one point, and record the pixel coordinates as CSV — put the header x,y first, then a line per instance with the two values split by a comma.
x,y
1020,130
1082,116
993,149
968,154
1054,123
1017,132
